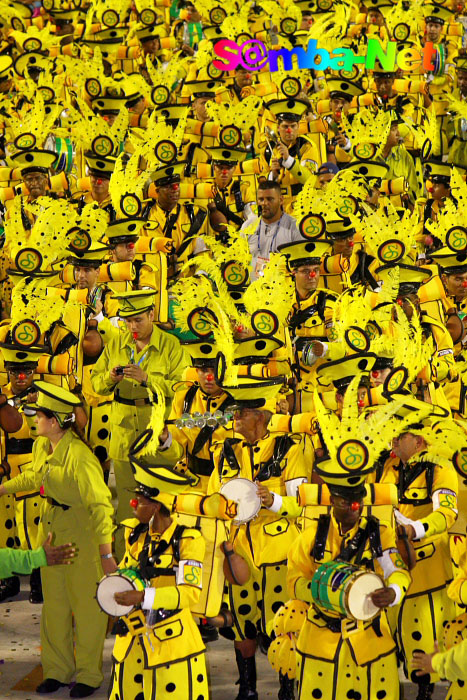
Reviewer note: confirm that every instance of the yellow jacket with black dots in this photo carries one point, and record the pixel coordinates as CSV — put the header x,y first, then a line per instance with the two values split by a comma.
x,y
281,462
171,563
428,498
314,547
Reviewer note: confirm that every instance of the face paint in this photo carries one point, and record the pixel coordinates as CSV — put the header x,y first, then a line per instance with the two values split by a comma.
x,y
400,302
338,114
375,373
239,328
428,240
351,244
360,403
464,284
312,274
21,375
392,454
131,246
134,503
99,181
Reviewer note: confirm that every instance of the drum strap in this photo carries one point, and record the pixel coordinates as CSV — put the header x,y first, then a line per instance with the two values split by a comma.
x,y
206,433
146,567
229,455
408,475
322,530
189,398
355,548
272,467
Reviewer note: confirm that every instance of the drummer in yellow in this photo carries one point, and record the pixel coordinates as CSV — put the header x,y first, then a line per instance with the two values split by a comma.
x,y
158,651
333,662
278,463
76,506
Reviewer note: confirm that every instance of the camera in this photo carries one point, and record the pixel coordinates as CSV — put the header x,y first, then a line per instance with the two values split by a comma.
x,y
118,370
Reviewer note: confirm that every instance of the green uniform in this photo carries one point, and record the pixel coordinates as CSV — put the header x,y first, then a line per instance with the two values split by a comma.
x,y
164,361
77,509
19,561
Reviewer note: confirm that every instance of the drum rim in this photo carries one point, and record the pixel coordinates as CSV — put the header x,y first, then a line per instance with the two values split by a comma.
x,y
237,521
114,575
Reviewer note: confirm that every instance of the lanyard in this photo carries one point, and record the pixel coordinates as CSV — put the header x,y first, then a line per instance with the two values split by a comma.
x,y
273,239
132,357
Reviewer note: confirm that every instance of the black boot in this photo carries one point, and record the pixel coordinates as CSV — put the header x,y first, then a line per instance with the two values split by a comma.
x,y
425,691
9,587
247,680
35,595
286,691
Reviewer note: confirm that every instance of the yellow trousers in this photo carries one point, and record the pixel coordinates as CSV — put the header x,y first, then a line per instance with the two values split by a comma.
x,y
125,483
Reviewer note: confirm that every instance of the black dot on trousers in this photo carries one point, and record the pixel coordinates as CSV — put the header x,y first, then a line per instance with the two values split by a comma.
x,y
170,687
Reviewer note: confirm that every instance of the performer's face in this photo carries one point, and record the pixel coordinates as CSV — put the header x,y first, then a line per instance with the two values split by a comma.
x,y
21,379
455,284
36,183
384,86
288,132
242,77
145,508
345,512
142,324
207,381
433,31
223,174
168,195
375,17
86,277
343,246
407,445
123,252
307,278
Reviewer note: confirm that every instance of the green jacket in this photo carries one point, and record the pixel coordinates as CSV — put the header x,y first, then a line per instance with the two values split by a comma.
x,y
163,359
20,561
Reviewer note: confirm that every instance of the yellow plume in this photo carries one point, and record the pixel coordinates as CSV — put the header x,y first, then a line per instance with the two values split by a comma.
x,y
244,114
156,421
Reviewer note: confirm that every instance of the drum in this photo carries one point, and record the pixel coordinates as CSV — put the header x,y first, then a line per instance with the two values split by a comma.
x,y
345,589
244,493
121,580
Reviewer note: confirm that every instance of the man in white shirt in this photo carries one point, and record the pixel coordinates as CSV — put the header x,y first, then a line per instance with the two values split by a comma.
x,y
274,227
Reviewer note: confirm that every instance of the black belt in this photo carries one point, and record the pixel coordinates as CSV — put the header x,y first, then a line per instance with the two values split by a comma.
x,y
55,503
15,446
201,467
335,623
158,615
131,402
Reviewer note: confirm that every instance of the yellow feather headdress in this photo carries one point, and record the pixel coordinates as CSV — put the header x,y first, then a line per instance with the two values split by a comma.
x,y
429,129
375,429
46,39
368,127
243,115
156,421
127,178
452,214
237,22
87,126
274,290
33,119
30,301
377,228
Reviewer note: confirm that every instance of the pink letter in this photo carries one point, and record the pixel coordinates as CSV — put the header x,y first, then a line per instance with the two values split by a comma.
x,y
220,49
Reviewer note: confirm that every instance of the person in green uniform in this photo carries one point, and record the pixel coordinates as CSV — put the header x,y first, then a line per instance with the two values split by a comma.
x,y
24,561
142,358
76,507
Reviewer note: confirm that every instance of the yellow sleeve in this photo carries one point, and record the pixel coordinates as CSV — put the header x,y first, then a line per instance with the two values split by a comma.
x,y
390,566
452,664
100,375
300,565
445,488
94,493
300,460
186,592
457,589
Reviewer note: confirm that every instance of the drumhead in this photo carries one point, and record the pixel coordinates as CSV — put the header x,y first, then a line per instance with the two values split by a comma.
x,y
244,493
114,583
359,603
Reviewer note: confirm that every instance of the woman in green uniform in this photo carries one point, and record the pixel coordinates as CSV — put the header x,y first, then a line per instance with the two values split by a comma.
x,y
76,507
